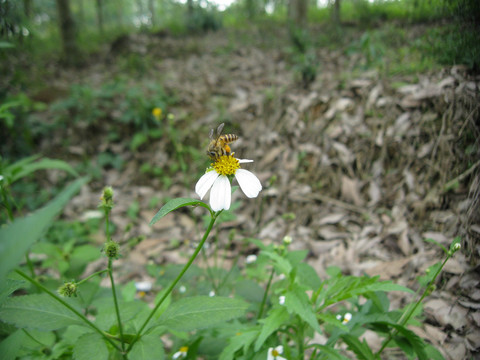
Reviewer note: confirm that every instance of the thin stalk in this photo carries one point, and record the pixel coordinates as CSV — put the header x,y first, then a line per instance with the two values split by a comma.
x,y
92,275
30,264
404,319
68,306
265,294
172,285
7,203
115,301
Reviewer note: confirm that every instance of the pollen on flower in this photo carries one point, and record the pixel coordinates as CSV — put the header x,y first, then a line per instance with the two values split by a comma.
x,y
275,352
226,165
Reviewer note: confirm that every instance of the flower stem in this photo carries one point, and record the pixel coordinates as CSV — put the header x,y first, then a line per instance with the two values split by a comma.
x,y
115,301
265,294
92,275
172,285
68,306
408,314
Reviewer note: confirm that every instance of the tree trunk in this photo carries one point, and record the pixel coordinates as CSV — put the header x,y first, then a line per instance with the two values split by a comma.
x,y
151,9
100,16
27,6
297,12
336,13
68,32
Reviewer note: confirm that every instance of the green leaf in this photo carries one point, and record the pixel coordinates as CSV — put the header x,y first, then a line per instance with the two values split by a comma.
x,y
174,205
416,342
275,319
8,287
90,346
37,311
297,302
281,264
331,352
43,164
243,339
361,349
16,238
11,346
149,347
201,312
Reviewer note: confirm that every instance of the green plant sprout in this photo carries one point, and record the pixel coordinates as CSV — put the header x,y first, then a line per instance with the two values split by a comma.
x,y
269,308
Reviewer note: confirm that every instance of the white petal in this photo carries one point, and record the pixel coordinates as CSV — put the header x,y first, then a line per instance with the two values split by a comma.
x,y
248,182
221,194
205,183
243,161
279,349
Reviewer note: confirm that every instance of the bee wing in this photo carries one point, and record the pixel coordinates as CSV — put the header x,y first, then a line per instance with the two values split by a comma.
x,y
220,128
210,134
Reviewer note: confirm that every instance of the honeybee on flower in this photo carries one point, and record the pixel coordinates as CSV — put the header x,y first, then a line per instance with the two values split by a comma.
x,y
222,170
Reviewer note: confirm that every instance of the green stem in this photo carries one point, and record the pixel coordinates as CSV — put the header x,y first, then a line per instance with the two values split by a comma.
x,y
30,264
107,224
68,306
115,301
265,294
7,203
172,285
90,276
406,316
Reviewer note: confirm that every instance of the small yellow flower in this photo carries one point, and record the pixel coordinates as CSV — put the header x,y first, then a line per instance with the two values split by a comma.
x,y
157,113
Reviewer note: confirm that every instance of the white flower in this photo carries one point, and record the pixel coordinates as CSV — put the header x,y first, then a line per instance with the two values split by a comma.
x,y
181,353
211,293
274,353
251,259
182,289
217,180
281,300
345,318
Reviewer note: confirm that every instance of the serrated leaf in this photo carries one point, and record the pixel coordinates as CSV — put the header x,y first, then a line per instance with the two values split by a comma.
x,y
17,237
174,205
37,311
275,319
280,263
361,349
244,339
297,302
8,287
201,312
149,347
90,346
417,344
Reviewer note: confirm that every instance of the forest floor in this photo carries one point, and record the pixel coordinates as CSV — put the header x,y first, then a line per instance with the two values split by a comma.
x,y
358,168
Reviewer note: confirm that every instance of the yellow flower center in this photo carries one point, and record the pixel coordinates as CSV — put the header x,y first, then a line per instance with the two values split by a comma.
x,y
275,353
226,165
184,349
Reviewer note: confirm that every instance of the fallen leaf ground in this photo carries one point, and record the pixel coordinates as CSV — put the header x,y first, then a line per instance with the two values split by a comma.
x,y
359,168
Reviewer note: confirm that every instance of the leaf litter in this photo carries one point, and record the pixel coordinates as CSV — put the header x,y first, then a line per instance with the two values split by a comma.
x,y
361,163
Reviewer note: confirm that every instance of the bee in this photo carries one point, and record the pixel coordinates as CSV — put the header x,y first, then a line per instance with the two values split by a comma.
x,y
219,143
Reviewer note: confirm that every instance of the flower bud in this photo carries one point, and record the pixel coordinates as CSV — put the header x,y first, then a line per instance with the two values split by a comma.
x,y
112,249
106,200
287,240
68,289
